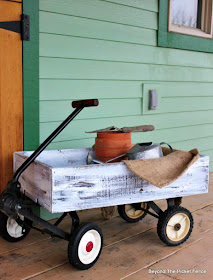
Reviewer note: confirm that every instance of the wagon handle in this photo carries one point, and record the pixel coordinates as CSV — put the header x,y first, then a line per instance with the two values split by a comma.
x,y
85,103
79,105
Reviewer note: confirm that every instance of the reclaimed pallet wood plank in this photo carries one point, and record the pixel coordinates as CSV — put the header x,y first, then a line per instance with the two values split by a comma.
x,y
73,185
37,181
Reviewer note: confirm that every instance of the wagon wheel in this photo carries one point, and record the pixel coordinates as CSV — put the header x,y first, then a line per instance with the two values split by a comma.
x,y
175,225
11,231
85,246
178,201
132,212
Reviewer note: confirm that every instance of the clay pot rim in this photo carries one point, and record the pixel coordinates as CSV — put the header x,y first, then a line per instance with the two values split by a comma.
x,y
113,132
114,135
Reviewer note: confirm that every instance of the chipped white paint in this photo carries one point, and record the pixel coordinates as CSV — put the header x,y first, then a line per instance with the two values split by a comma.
x,y
61,181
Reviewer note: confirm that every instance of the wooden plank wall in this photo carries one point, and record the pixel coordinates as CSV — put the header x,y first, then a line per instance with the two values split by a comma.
x,y
108,50
11,105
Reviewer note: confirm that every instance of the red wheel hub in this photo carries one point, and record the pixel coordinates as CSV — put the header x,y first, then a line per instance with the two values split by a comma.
x,y
89,246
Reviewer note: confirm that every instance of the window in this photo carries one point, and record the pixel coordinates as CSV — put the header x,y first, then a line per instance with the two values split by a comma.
x,y
191,17
186,24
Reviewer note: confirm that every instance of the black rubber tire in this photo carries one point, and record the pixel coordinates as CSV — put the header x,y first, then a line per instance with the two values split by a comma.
x,y
123,214
163,223
6,235
73,246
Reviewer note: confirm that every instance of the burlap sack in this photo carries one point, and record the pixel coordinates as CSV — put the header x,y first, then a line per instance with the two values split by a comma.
x,y
165,170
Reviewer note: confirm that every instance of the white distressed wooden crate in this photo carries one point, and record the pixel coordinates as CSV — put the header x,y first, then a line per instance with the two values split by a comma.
x,y
61,181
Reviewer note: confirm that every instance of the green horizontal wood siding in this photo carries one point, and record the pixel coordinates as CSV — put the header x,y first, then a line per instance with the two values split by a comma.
x,y
102,11
64,89
72,47
150,5
62,68
165,123
133,106
53,23
108,50
179,98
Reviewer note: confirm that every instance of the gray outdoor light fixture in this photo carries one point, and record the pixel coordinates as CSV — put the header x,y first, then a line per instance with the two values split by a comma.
x,y
153,99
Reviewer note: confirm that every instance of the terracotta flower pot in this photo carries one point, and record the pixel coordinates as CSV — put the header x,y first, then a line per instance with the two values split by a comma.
x,y
111,144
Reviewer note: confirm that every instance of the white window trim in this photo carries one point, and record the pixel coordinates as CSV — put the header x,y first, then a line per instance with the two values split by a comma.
x,y
207,21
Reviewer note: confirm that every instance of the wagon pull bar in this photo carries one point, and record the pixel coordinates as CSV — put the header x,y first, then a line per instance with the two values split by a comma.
x,y
85,103
79,105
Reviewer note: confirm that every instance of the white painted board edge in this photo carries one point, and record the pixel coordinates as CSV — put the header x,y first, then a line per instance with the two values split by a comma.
x,y
71,187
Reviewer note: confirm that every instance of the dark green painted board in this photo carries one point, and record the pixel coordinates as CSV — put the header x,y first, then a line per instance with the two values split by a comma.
x,y
58,68
90,28
75,89
59,110
84,48
175,40
44,214
103,11
31,86
31,77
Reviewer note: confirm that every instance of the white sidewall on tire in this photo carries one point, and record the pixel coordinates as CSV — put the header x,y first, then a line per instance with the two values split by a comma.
x,y
132,213
13,228
90,236
178,235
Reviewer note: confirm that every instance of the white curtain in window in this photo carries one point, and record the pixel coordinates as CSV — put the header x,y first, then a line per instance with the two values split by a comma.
x,y
184,12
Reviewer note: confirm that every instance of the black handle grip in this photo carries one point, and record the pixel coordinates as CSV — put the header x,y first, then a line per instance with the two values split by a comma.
x,y
85,103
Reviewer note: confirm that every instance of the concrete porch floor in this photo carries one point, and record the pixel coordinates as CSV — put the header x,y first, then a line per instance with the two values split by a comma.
x,y
131,251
